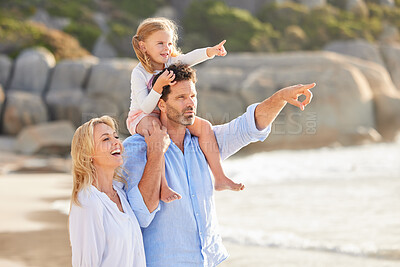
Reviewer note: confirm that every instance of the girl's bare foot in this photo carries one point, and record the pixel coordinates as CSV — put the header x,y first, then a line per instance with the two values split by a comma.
x,y
168,195
224,183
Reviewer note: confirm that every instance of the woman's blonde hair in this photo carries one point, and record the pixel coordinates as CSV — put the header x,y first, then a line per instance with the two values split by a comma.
x,y
148,27
82,150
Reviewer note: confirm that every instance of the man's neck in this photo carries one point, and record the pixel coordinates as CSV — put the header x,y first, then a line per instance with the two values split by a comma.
x,y
175,131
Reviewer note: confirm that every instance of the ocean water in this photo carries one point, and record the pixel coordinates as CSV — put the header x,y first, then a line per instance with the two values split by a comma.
x,y
343,201
319,207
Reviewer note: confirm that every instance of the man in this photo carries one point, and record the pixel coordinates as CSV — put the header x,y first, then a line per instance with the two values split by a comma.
x,y
185,232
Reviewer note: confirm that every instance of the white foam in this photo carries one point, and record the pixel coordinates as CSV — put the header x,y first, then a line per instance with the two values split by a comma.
x,y
290,240
377,160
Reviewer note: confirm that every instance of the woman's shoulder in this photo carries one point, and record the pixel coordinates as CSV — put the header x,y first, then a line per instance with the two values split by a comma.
x,y
88,197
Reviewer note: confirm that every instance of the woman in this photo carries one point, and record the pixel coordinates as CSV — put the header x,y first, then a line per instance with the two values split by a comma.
x,y
103,228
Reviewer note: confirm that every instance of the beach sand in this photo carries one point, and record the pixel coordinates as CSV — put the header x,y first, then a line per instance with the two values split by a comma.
x,y
32,233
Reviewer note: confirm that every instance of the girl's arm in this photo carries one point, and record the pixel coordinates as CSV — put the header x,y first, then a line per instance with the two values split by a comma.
x,y
199,55
148,100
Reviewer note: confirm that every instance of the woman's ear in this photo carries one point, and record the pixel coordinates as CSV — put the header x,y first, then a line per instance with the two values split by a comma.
x,y
142,46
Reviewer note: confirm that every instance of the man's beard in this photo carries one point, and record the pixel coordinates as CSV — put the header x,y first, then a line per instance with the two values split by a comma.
x,y
180,117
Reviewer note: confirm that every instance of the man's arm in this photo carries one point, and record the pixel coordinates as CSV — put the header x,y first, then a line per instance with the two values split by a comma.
x,y
143,166
267,111
150,184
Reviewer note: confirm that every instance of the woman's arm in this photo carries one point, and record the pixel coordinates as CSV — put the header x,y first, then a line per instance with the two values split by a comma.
x,y
87,234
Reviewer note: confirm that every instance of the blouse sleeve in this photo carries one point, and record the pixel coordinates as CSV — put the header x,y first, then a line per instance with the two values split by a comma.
x,y
147,101
87,235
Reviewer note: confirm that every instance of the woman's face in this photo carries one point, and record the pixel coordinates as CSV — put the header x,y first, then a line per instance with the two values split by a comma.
x,y
107,147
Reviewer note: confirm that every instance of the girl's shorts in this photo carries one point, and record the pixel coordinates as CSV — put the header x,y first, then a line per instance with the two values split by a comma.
x,y
134,117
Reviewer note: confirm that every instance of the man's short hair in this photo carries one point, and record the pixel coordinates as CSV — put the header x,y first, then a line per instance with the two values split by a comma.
x,y
182,72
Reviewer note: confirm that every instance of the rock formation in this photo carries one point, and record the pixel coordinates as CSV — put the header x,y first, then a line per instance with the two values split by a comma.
x,y
355,101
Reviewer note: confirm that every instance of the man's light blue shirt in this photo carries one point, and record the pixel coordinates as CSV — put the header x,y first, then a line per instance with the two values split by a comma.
x,y
185,232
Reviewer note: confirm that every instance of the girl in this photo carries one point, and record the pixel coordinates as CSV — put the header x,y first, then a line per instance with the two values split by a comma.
x,y
155,47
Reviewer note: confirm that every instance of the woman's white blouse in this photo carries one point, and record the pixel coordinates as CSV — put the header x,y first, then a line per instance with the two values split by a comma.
x,y
101,235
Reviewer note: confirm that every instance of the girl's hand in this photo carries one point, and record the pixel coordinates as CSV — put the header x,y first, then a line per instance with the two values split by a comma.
x,y
166,78
218,50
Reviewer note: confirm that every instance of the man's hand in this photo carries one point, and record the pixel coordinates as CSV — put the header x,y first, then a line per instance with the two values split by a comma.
x,y
218,50
268,110
291,94
166,78
150,184
158,140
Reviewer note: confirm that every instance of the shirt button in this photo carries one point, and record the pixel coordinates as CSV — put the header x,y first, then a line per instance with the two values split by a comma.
x,y
197,214
193,195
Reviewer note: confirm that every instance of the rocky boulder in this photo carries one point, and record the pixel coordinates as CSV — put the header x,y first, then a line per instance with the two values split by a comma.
x,y
357,6
2,99
66,91
5,69
98,106
22,109
32,70
48,138
342,109
218,107
109,83
386,98
313,3
228,79
390,34
356,48
389,3
391,55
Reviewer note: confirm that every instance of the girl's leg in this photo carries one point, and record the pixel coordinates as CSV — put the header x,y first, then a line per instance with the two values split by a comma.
x,y
208,144
167,194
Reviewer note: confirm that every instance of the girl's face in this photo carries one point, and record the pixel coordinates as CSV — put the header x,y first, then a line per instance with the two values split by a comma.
x,y
158,46
107,147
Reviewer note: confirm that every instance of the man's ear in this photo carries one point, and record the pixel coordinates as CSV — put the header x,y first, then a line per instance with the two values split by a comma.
x,y
161,105
142,46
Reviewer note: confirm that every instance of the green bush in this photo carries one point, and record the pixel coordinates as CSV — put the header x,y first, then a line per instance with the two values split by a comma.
x,y
87,34
338,3
294,38
17,35
139,8
75,9
216,21
320,25
283,15
18,8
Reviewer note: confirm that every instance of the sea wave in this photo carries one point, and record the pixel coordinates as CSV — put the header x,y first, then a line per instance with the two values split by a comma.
x,y
288,240
377,160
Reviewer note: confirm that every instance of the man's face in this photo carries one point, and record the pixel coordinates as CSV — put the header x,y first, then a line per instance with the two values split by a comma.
x,y
181,104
